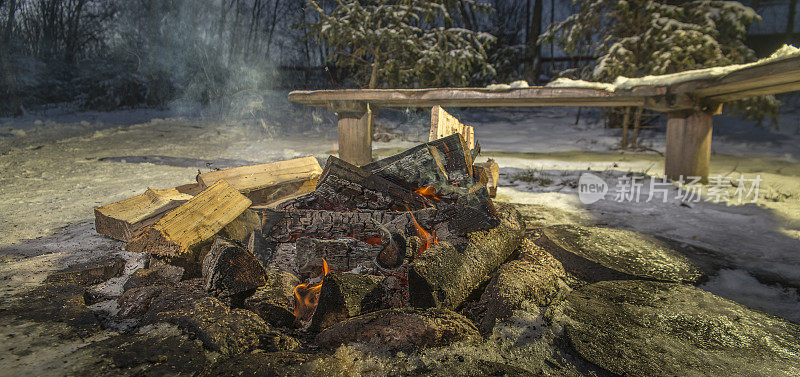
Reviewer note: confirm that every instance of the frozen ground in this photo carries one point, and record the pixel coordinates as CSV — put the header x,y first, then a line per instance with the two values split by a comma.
x,y
57,167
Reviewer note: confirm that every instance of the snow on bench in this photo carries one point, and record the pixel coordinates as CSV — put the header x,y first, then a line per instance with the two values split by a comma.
x,y
690,99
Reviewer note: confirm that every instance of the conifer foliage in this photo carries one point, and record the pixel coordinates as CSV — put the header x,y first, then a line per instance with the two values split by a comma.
x,y
404,43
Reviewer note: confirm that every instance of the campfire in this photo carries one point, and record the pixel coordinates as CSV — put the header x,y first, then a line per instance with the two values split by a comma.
x,y
307,247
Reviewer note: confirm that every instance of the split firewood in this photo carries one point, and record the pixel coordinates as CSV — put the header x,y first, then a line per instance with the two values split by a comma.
x,y
443,124
242,226
344,186
342,254
493,174
267,183
446,161
230,270
124,220
274,302
179,236
443,276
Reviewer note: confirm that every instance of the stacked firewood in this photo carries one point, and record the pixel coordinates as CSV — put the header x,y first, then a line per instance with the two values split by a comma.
x,y
307,246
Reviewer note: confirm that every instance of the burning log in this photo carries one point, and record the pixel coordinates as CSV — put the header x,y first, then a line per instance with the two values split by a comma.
x,y
344,187
306,297
124,220
443,276
274,302
279,226
441,162
342,254
180,234
230,270
346,295
270,182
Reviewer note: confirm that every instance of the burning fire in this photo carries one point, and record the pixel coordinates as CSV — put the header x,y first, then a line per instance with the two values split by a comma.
x,y
428,192
428,237
306,295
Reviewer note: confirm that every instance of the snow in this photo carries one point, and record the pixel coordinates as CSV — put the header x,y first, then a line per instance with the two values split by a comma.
x,y
625,83
58,167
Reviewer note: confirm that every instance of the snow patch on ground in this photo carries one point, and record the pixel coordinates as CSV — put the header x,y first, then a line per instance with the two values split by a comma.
x,y
739,286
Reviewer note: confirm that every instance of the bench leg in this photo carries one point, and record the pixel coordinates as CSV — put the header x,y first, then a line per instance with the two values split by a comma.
x,y
355,134
688,145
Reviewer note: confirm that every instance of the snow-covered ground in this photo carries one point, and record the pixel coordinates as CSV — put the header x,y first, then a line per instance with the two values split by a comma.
x,y
57,167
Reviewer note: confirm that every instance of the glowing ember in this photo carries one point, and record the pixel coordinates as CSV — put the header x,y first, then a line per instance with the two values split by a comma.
x,y
306,295
428,237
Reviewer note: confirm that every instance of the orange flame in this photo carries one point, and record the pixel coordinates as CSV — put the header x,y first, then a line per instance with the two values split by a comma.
x,y
428,192
429,237
306,295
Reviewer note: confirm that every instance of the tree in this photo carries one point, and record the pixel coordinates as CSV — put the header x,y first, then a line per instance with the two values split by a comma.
x,y
405,42
635,38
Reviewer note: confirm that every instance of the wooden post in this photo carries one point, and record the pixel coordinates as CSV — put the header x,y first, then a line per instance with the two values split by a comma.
x,y
355,131
626,120
688,145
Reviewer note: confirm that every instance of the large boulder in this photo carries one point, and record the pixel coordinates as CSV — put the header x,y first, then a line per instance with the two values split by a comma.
x,y
592,254
647,328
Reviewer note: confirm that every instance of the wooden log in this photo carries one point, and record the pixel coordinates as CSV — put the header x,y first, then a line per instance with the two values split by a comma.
x,y
280,226
529,278
274,302
179,236
345,295
445,161
404,329
266,183
688,145
493,175
124,220
242,226
230,270
443,276
443,124
344,187
343,254
355,132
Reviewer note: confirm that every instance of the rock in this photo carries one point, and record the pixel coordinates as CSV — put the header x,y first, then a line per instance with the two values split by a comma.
x,y
258,363
591,254
274,302
532,277
646,328
157,273
230,270
400,330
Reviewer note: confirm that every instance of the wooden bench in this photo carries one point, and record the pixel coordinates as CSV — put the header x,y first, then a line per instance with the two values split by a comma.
x,y
689,103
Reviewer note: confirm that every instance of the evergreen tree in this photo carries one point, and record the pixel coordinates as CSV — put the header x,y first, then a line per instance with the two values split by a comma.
x,y
635,38
405,43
